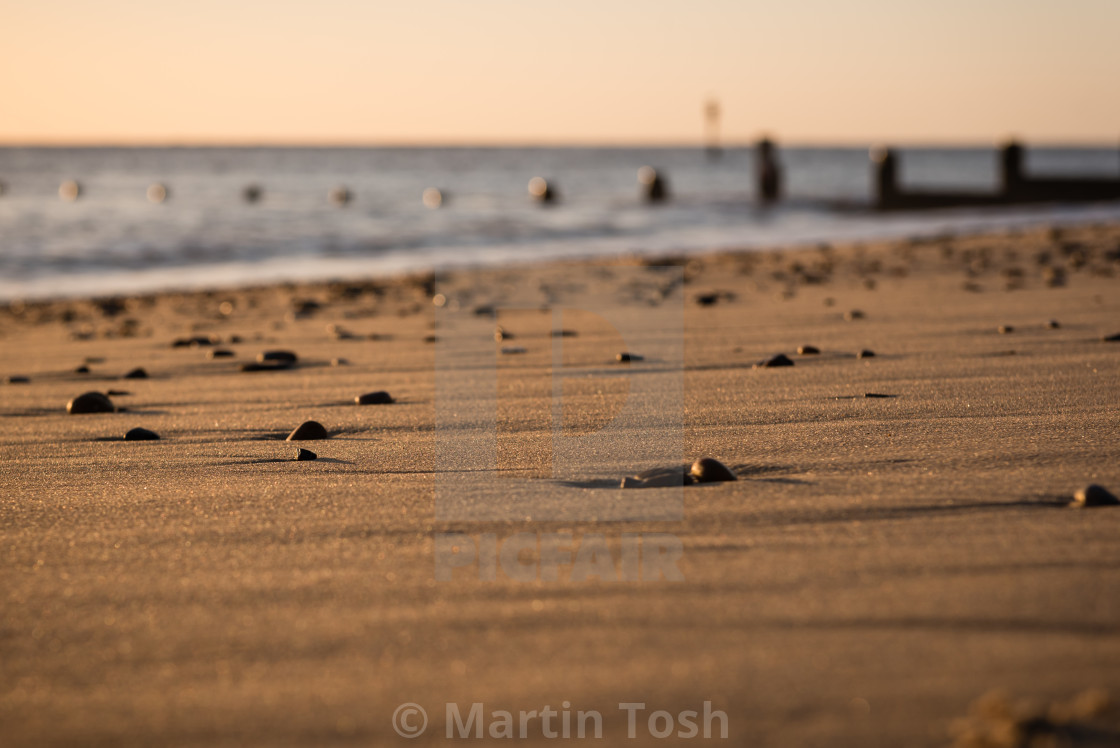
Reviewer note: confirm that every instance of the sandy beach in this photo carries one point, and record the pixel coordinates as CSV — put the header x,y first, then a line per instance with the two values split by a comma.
x,y
881,570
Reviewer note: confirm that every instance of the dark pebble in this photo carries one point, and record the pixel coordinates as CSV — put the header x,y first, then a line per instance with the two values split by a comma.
x,y
1094,495
1006,329
374,398
90,402
220,353
339,362
707,299
254,366
1053,324
430,338
193,342
1111,338
303,455
876,394
780,359
808,350
140,435
853,314
484,310
865,354
511,350
500,334
625,358
277,357
118,393
83,369
137,373
307,431
709,470
17,380
564,333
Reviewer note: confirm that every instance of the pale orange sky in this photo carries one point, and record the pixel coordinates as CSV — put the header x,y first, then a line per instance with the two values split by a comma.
x,y
578,71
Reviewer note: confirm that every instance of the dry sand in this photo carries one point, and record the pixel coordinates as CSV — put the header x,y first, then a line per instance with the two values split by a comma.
x,y
880,564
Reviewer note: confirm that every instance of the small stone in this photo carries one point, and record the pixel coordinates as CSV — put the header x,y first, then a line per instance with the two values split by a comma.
x,y
286,358
511,350
16,379
90,402
500,334
307,431
1094,495
1053,324
339,362
140,435
625,358
564,333
865,353
195,341
1111,338
780,359
219,353
853,314
808,350
430,338
137,373
1006,329
83,369
709,470
304,455
707,299
374,398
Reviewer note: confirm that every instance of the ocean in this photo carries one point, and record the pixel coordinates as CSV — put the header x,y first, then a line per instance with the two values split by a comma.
x,y
113,239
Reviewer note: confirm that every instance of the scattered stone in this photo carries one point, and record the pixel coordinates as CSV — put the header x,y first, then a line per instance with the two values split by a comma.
x,y
1094,495
286,358
374,398
307,431
780,359
219,353
137,373
16,379
500,334
564,333
118,393
1111,338
625,358
808,350
484,310
1006,329
853,314
707,299
195,341
339,362
305,455
430,338
90,402
865,353
709,470
83,369
140,435
511,350
1053,324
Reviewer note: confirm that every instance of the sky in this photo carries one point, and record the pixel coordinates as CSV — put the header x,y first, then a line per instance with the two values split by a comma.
x,y
577,71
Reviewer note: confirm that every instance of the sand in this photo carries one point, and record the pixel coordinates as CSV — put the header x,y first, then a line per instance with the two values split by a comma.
x,y
880,564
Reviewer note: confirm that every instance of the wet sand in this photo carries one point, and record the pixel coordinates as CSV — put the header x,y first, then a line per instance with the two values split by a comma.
x,y
881,563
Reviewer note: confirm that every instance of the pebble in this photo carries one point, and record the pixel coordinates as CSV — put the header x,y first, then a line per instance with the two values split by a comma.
x,y
83,369
140,435
710,470
500,334
1053,324
339,362
277,357
308,430
1006,329
17,380
137,373
707,299
304,455
564,333
1111,338
1094,495
808,350
374,398
219,353
510,350
90,402
625,358
853,314
195,341
780,359
865,353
